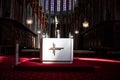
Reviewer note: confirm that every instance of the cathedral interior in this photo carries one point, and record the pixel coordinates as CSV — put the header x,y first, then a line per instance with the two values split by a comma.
x,y
94,26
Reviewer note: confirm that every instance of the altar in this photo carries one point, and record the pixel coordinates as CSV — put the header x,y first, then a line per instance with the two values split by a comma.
x,y
56,50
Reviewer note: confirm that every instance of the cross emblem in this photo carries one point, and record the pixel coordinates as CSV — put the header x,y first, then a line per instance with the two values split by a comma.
x,y
55,48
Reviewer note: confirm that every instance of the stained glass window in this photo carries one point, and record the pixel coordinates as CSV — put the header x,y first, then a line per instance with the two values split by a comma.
x,y
47,5
58,5
70,5
52,5
64,5
55,5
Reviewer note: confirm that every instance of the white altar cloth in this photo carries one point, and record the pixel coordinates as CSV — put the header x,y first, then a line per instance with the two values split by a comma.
x,y
57,50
